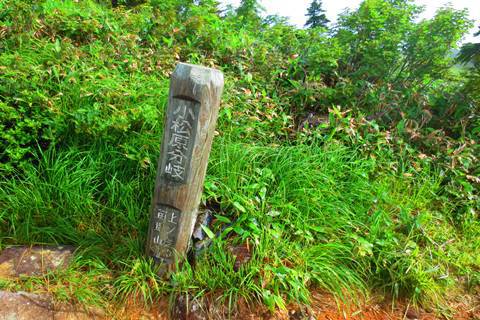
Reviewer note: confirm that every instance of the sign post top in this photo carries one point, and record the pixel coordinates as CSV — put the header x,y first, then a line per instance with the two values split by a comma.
x,y
193,77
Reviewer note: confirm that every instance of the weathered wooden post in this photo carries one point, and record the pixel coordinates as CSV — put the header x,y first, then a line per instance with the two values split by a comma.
x,y
193,104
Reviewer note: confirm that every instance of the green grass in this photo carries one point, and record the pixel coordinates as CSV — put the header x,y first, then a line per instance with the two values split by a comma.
x,y
315,216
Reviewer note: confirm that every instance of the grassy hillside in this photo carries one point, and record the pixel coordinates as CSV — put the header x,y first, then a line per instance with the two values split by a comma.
x,y
344,161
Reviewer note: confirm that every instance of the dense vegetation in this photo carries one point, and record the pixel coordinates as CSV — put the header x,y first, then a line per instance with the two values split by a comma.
x,y
346,158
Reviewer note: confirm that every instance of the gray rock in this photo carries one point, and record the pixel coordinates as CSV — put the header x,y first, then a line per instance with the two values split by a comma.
x,y
204,219
24,306
34,260
28,306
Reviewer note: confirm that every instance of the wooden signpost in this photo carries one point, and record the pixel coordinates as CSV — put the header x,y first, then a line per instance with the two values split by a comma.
x,y
193,104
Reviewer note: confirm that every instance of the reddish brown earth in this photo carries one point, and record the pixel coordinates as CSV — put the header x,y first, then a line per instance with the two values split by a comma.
x,y
323,307
26,306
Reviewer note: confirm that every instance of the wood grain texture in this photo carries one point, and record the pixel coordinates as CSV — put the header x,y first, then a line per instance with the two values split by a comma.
x,y
194,101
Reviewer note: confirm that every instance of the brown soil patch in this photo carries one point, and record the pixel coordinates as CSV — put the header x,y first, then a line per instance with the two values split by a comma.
x,y
323,307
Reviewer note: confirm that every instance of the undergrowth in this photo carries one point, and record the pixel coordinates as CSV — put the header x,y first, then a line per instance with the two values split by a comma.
x,y
318,216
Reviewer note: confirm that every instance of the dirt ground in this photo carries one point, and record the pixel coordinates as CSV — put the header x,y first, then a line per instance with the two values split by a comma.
x,y
27,306
323,307
36,260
